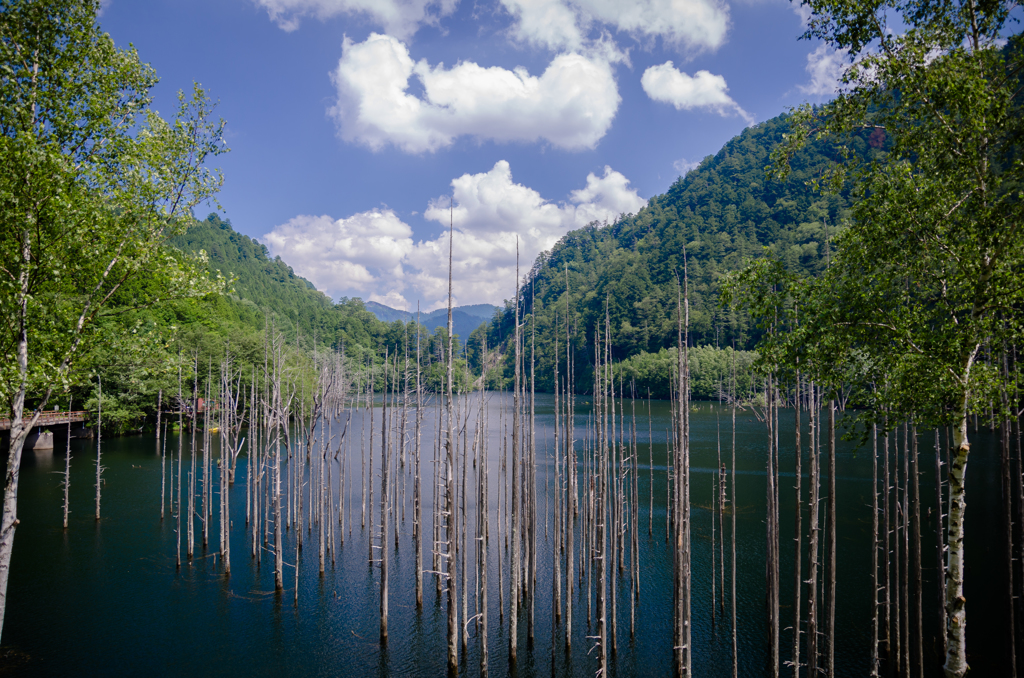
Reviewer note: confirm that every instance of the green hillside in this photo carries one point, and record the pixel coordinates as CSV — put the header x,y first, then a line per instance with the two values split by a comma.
x,y
724,213
265,290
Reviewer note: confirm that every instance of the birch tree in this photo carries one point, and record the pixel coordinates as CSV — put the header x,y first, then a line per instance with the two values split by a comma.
x,y
927,272
93,183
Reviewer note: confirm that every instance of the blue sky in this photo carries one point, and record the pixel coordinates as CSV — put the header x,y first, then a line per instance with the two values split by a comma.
x,y
353,122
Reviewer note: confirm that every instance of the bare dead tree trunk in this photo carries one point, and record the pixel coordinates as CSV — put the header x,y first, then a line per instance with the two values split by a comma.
x,y
67,472
771,564
514,565
634,548
208,460
601,523
732,597
915,537
417,498
279,421
369,479
99,445
874,552
904,561
385,454
812,565
451,533
482,523
612,501
569,515
940,562
181,435
190,526
798,532
830,669
887,573
1004,462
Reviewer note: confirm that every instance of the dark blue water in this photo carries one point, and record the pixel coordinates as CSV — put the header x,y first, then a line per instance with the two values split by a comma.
x,y
105,598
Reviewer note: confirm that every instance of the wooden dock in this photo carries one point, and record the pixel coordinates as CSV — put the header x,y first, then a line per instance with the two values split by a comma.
x,y
49,418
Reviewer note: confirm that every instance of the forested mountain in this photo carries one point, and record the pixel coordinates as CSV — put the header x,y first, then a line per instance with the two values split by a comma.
x,y
723,213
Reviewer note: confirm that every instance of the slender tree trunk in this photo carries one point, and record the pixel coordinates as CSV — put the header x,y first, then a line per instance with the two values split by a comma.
x,y
732,597
451,533
483,520
798,532
417,511
956,604
531,490
1004,459
888,616
99,446
385,462
67,472
905,561
917,644
940,562
874,552
601,526
569,514
514,565
830,669
280,420
812,564
772,537
181,436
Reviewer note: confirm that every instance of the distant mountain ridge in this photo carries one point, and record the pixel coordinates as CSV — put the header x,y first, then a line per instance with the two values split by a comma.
x,y
465,319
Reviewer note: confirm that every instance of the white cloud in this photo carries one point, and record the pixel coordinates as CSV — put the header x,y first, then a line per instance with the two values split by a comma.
x,y
346,257
397,17
826,67
605,198
566,24
373,255
546,23
683,166
667,84
571,105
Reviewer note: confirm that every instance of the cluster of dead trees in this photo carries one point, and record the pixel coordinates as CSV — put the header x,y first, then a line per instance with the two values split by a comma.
x,y
334,446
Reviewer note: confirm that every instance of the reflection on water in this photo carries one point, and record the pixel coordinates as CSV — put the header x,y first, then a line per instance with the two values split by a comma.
x,y
106,598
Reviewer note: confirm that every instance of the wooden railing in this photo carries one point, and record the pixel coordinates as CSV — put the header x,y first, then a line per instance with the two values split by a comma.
x,y
49,418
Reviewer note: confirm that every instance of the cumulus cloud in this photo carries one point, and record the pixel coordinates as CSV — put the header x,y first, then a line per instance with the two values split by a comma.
x,y
346,257
397,17
667,84
372,254
826,67
570,105
566,24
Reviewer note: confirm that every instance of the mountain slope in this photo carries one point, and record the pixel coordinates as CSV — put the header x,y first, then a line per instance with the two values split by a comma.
x,y
722,213
266,289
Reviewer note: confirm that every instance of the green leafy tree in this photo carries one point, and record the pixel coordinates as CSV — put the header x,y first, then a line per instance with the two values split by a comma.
x,y
93,182
927,278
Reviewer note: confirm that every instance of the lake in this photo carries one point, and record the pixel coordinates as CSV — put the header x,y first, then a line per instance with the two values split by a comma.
x,y
105,597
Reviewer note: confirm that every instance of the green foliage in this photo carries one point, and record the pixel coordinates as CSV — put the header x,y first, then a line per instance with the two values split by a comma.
x,y
711,371
435,378
926,281
922,302
94,182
